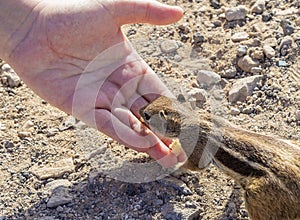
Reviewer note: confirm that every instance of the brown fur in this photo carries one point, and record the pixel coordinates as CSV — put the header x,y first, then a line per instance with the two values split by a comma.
x,y
267,168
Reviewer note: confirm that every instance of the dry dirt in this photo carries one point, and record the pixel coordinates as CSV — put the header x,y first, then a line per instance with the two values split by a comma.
x,y
35,135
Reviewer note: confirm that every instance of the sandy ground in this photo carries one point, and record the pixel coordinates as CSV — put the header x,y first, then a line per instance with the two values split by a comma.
x,y
95,175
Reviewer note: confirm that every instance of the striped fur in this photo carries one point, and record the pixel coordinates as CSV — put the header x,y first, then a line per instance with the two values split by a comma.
x,y
267,168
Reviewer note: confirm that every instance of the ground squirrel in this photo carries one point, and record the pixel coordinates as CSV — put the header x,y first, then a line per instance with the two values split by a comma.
x,y
267,168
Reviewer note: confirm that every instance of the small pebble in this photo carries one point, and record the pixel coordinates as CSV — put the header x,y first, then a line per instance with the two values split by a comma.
x,y
282,63
9,76
272,42
297,115
234,111
28,124
256,70
242,50
169,46
59,209
198,39
237,13
215,4
285,44
198,94
269,51
59,197
258,7
287,27
246,63
266,16
207,78
240,36
158,202
229,73
2,127
24,134
52,132
258,54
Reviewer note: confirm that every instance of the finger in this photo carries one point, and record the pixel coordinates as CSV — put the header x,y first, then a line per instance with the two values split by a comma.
x,y
164,159
182,157
109,96
151,87
111,126
135,103
149,11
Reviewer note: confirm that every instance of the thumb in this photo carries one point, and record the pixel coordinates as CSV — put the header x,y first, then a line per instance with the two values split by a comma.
x,y
145,11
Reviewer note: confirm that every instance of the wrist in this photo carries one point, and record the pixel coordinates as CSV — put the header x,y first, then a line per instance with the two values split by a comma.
x,y
17,17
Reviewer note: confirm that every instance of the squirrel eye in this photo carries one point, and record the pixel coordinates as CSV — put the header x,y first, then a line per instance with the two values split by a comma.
x,y
147,116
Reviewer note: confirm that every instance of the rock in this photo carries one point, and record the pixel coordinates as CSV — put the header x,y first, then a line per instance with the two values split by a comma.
x,y
252,42
287,40
297,115
57,183
169,46
203,9
237,13
24,134
215,4
266,16
258,54
59,209
240,36
269,51
229,73
281,63
9,76
256,70
247,110
81,125
177,58
234,111
296,38
199,94
198,39
272,42
285,44
287,27
178,184
28,124
2,127
242,50
184,28
207,78
158,202
48,218
258,7
9,145
286,12
259,27
59,197
58,169
68,123
246,63
52,132
243,88
190,204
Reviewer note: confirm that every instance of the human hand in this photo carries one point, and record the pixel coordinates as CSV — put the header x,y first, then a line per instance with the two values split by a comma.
x,y
75,56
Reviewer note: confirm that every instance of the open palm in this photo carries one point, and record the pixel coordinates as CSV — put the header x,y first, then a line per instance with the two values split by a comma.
x,y
75,56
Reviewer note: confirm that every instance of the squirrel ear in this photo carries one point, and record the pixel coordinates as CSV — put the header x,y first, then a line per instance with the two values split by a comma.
x,y
162,114
180,98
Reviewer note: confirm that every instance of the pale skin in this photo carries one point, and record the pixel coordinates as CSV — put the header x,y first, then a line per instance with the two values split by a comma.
x,y
49,43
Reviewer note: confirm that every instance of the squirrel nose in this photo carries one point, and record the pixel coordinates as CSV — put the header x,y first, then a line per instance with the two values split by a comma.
x,y
147,116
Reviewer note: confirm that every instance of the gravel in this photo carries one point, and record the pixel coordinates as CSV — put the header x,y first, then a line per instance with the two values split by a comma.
x,y
85,187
